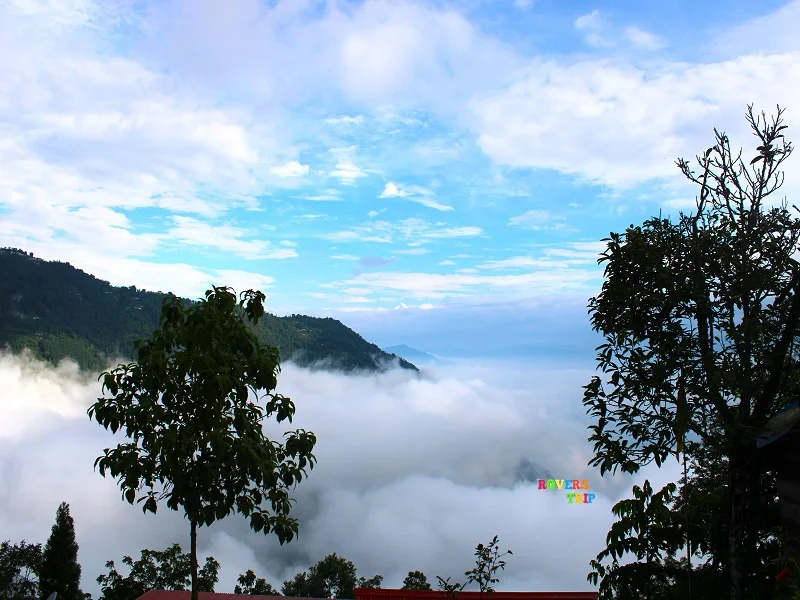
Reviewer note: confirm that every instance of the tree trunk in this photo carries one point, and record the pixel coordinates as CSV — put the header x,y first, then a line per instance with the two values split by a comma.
x,y
195,594
741,466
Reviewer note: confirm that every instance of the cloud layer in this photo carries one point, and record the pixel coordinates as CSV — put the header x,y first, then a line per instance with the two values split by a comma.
x,y
412,473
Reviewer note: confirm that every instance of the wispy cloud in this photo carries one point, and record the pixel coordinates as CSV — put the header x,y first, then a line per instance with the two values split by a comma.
x,y
291,169
414,193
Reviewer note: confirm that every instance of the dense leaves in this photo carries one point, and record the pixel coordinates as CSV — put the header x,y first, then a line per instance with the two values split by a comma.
x,y
416,580
254,586
57,311
20,565
700,318
332,577
168,569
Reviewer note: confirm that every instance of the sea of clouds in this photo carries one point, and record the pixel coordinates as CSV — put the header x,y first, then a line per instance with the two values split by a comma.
x,y
414,471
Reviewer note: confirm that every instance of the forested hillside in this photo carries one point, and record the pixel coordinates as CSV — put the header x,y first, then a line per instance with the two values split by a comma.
x,y
58,311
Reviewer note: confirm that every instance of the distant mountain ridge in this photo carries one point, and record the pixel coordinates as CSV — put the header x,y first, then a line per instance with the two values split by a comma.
x,y
411,354
58,311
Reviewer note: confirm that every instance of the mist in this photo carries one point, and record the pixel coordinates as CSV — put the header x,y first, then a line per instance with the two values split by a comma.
x,y
413,471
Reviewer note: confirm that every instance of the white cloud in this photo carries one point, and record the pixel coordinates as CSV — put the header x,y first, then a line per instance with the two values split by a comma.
x,y
189,231
621,125
535,219
521,412
447,263
345,120
593,25
431,285
413,251
392,191
644,39
346,170
414,231
291,169
345,257
414,193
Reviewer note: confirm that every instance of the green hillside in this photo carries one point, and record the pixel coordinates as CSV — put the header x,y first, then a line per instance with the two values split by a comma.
x,y
58,311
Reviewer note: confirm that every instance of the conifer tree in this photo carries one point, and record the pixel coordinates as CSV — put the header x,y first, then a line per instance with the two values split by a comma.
x,y
61,572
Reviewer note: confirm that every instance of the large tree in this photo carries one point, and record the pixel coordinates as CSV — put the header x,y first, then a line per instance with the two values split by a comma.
x,y
169,569
190,408
60,571
700,317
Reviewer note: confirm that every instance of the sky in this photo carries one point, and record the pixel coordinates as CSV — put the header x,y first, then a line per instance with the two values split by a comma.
x,y
361,157
432,173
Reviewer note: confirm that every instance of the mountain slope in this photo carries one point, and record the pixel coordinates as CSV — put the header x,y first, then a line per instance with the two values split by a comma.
x,y
58,311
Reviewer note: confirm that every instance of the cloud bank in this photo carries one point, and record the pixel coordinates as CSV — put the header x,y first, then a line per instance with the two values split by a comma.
x,y
413,472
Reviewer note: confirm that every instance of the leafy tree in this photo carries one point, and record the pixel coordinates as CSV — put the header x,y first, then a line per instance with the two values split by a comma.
x,y
194,430
254,586
20,565
169,569
371,583
332,577
416,580
298,587
708,307
487,563
60,571
647,529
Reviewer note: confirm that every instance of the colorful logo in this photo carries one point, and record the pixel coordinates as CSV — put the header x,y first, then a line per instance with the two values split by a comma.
x,y
573,497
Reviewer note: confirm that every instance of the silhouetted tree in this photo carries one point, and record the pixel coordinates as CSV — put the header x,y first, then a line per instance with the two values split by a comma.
x,y
60,570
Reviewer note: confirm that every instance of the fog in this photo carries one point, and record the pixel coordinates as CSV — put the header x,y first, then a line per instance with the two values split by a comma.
x,y
413,472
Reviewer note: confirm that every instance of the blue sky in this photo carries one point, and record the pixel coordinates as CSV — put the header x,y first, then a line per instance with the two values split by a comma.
x,y
450,161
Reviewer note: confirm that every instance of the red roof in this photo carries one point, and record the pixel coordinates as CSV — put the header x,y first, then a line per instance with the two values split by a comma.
x,y
176,595
379,594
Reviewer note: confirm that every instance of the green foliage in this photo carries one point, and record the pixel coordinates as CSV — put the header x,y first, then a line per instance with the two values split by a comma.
x,y
20,565
57,311
195,432
373,582
332,577
60,571
168,569
416,580
297,587
649,530
487,563
254,586
711,302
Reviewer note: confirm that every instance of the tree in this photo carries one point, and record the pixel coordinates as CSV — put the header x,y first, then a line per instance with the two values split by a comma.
x,y
416,580
60,571
487,563
194,430
168,569
254,586
371,583
20,565
332,577
700,319
297,587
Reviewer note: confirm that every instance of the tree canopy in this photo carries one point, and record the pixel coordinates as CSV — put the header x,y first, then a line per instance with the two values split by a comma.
x,y
700,319
60,571
190,408
168,569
